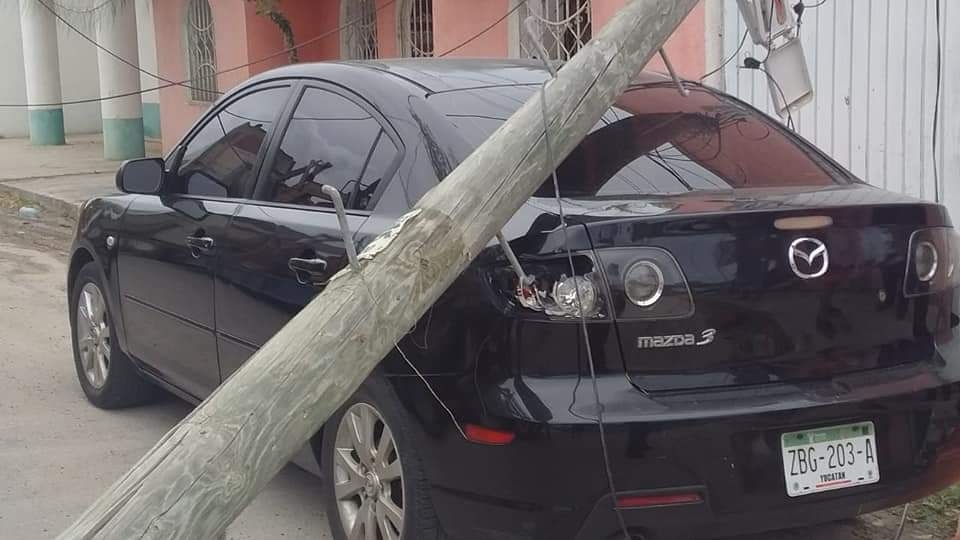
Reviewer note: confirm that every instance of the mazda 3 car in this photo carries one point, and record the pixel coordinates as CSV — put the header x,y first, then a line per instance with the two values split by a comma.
x,y
772,341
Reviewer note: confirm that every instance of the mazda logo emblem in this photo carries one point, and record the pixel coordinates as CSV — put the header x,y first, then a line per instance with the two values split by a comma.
x,y
808,258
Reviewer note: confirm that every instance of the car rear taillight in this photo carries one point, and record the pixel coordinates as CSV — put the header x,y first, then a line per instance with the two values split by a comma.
x,y
932,260
645,283
552,291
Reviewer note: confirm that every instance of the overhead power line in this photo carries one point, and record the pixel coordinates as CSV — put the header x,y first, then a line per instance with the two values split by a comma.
x,y
106,50
743,40
184,81
85,11
485,30
170,83
936,104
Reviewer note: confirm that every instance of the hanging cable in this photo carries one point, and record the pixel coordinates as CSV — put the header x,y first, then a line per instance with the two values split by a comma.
x,y
531,29
743,41
456,423
262,59
485,30
119,58
253,62
85,11
608,468
903,516
800,7
753,63
936,106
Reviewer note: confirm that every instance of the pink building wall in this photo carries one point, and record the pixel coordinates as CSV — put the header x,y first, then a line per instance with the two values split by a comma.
x,y
685,47
388,43
309,19
177,110
242,37
456,21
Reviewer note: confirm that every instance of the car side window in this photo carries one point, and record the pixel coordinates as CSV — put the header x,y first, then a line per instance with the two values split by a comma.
x,y
219,160
331,140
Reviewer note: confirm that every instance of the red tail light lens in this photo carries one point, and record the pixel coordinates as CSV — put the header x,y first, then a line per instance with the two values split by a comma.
x,y
668,499
485,435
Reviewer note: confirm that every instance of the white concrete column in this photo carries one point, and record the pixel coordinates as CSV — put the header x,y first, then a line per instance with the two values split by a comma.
x,y
41,65
713,41
122,117
146,34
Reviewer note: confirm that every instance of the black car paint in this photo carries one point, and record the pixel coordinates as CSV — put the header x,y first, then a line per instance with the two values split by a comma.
x,y
498,369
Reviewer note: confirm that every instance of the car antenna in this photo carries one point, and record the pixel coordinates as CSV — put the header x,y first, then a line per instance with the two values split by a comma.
x,y
531,27
334,195
673,73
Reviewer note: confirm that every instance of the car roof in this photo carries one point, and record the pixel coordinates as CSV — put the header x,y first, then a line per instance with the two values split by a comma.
x,y
441,74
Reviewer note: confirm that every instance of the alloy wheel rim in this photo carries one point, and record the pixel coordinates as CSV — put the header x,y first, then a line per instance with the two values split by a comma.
x,y
93,335
367,476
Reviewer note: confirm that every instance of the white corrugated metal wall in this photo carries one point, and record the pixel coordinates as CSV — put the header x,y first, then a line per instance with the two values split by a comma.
x,y
874,67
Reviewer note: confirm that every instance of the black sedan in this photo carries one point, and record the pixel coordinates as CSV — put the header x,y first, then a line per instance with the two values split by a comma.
x,y
773,342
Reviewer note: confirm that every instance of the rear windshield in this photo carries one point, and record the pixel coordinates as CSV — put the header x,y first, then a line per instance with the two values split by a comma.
x,y
655,141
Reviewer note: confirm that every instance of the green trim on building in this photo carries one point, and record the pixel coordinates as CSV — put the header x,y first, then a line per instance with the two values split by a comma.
x,y
123,138
46,127
151,120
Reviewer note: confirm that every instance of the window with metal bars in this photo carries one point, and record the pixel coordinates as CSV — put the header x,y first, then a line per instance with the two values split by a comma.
x,y
416,28
565,27
358,40
201,51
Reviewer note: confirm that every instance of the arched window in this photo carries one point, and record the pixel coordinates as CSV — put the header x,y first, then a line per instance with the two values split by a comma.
x,y
566,26
358,41
416,28
201,51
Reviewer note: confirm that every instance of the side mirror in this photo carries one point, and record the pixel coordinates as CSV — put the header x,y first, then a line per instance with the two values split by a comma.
x,y
143,176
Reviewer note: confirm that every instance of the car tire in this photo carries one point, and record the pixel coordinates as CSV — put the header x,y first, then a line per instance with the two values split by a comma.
x,y
376,397
107,376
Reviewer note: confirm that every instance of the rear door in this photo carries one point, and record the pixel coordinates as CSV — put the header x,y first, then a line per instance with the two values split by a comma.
x,y
285,244
167,255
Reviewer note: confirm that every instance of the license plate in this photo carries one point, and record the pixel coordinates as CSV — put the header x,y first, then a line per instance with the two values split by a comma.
x,y
829,458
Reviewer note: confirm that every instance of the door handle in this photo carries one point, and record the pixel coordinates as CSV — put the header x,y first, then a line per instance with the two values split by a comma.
x,y
199,245
308,271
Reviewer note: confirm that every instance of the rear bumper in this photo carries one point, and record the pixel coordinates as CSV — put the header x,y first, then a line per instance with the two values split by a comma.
x,y
550,482
739,470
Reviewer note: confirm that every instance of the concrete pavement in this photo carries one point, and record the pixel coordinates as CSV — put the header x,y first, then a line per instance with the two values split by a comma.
x,y
58,453
59,177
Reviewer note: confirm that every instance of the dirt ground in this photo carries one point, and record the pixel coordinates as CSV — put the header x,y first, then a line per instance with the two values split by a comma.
x,y
934,518
51,233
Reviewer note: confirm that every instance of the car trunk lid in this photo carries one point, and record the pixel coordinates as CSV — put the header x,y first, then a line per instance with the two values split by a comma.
x,y
756,318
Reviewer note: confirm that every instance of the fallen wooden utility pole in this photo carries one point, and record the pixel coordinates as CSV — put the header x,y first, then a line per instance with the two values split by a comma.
x,y
202,474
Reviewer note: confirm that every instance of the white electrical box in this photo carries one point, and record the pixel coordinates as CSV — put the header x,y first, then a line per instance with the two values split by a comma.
x,y
773,25
768,20
788,78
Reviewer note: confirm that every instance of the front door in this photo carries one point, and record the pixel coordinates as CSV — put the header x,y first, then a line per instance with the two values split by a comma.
x,y
167,255
286,244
